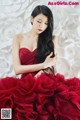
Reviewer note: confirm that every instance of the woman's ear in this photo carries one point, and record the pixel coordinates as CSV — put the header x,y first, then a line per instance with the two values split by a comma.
x,y
31,20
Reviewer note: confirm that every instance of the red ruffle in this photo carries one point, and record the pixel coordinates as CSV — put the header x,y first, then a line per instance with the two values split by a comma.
x,y
47,97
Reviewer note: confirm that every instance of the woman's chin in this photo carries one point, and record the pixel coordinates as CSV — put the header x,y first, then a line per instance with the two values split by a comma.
x,y
39,32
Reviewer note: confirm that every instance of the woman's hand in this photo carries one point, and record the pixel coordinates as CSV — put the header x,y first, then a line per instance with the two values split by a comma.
x,y
49,62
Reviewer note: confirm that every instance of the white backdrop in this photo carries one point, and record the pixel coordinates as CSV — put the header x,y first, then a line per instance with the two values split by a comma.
x,y
14,19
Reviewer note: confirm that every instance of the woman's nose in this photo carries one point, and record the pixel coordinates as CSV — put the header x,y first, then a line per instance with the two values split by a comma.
x,y
41,25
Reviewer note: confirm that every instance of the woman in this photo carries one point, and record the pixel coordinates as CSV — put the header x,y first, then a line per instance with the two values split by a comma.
x,y
38,38
39,94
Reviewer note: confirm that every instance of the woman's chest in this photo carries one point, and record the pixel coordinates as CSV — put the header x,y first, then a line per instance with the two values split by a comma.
x,y
28,43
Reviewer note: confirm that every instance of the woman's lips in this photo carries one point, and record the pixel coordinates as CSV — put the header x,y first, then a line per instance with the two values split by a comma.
x,y
40,29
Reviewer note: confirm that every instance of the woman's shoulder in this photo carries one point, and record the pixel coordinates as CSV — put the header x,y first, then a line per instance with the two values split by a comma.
x,y
18,37
54,39
55,42
21,36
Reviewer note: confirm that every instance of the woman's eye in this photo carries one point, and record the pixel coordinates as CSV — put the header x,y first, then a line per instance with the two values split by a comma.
x,y
46,23
38,21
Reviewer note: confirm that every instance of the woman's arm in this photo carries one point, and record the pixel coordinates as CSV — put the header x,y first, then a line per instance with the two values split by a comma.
x,y
20,69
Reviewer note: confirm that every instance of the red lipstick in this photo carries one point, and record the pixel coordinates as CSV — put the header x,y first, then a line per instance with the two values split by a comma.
x,y
39,29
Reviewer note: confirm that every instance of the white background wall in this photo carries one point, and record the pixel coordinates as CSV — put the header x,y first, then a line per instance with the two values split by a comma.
x,y
14,19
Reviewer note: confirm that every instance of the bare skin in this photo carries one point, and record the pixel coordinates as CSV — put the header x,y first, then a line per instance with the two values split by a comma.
x,y
29,40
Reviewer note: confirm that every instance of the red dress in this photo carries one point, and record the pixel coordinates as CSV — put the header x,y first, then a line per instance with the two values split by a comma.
x,y
47,97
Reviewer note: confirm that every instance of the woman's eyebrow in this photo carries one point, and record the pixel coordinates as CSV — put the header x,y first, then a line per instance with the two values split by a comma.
x,y
39,19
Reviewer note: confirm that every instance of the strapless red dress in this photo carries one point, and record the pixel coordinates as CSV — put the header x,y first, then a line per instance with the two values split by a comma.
x,y
47,97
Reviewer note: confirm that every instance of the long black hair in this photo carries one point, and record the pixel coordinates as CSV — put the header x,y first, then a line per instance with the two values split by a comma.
x,y
45,44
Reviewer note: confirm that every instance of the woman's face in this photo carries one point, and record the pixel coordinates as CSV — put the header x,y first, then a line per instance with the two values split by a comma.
x,y
40,23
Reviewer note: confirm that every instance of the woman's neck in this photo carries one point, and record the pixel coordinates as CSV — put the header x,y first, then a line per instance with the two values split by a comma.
x,y
34,34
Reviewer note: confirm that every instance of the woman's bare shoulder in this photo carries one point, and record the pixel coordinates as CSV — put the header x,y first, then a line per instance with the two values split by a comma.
x,y
21,36
55,42
55,39
18,37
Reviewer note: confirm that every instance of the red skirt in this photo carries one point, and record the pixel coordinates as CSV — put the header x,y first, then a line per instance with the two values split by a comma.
x,y
47,97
